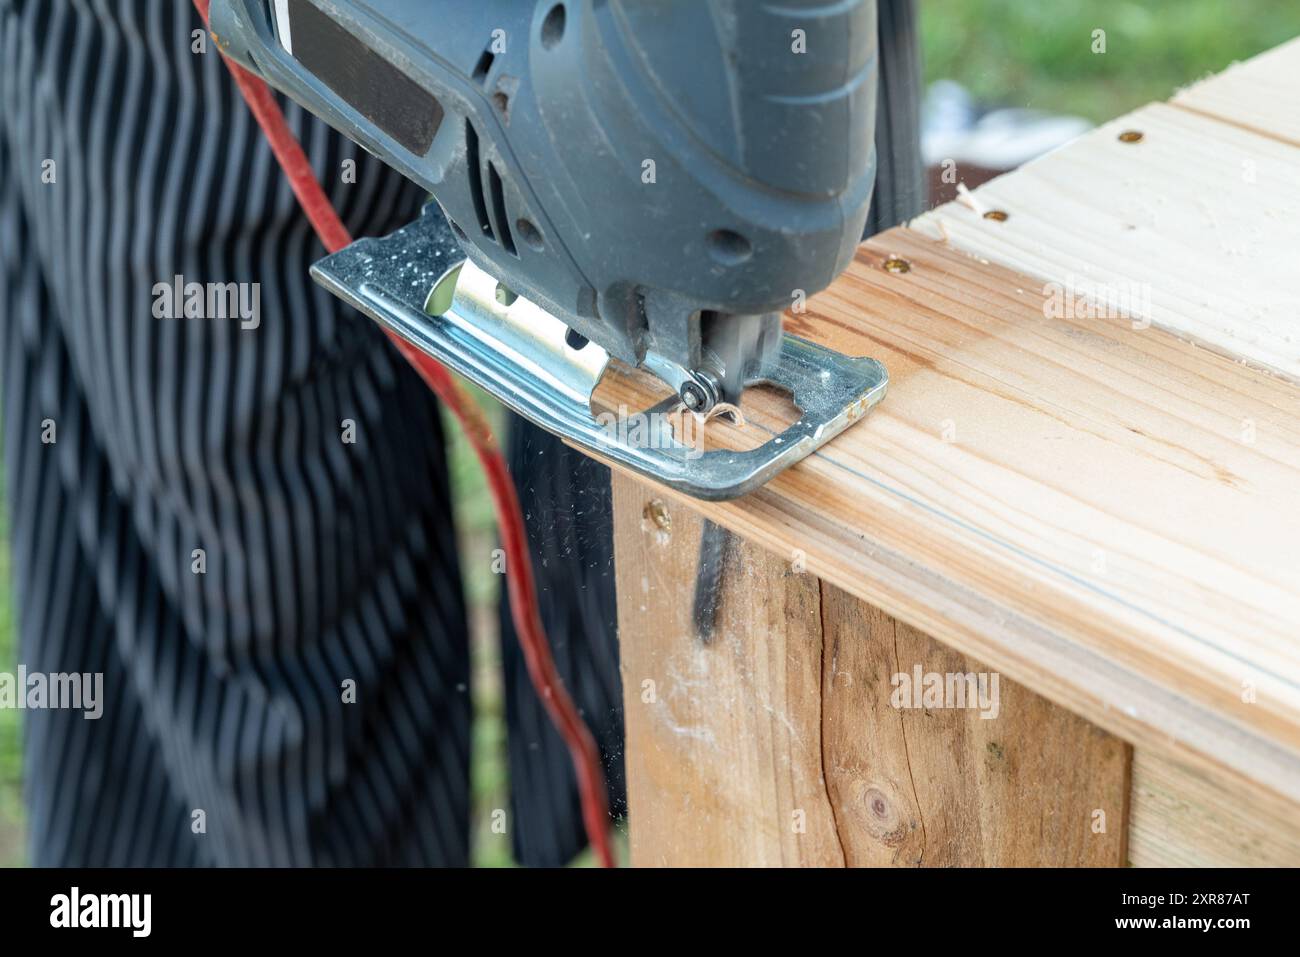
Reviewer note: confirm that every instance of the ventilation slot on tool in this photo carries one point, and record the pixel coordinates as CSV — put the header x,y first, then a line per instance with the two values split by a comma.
x,y
483,66
499,209
476,181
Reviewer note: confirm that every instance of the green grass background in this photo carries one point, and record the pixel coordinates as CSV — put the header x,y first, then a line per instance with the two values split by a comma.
x,y
1039,54
1007,52
11,774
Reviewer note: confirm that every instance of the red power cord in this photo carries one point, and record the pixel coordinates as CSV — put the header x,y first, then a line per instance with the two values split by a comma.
x,y
519,570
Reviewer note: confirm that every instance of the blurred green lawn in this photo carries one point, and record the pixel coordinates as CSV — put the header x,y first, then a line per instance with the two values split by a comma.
x,y
1007,52
1038,54
11,835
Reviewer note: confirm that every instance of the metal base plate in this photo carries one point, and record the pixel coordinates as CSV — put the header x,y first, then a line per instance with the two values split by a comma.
x,y
518,352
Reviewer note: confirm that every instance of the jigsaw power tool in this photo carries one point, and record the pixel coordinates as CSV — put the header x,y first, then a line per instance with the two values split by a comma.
x,y
651,181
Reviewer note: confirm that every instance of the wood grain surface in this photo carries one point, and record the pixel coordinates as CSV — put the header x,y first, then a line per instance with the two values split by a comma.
x,y
1108,515
779,742
1085,476
1185,817
1195,228
1259,94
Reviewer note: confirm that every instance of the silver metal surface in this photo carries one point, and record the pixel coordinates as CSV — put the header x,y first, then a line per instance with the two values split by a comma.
x,y
517,352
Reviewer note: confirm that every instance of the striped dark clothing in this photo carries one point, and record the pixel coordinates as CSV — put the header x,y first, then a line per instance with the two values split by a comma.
x,y
326,561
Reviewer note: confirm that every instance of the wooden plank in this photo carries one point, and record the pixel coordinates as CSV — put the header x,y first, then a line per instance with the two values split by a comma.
x,y
1253,94
722,751
1182,817
1194,229
1030,785
1102,511
777,742
1107,515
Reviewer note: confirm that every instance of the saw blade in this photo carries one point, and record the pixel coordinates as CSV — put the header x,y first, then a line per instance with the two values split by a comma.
x,y
741,346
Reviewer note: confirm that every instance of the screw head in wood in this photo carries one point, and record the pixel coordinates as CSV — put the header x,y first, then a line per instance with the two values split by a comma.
x,y
896,264
1131,136
655,514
